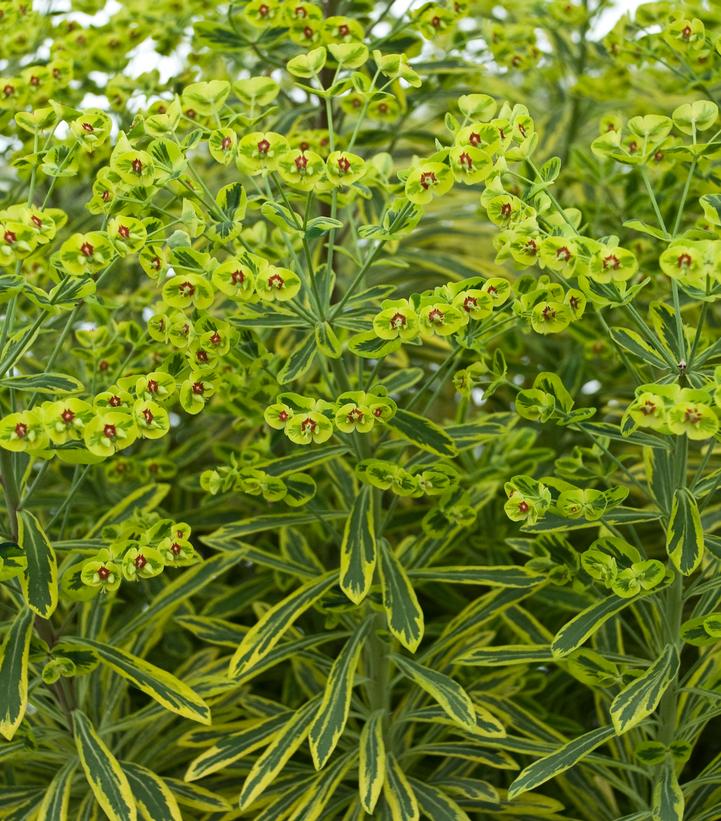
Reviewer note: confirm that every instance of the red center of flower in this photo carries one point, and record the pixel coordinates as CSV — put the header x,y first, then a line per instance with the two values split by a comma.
x,y
156,263
198,388
201,355
531,247
686,32
301,162
87,127
435,22
86,249
67,416
684,261
474,138
283,416
523,507
105,196
658,156
140,561
506,209
8,90
35,219
124,231
216,338
648,408
104,573
611,261
308,32
465,159
237,277
632,147
227,142
263,146
548,313
377,412
276,281
21,430
110,431
436,315
152,386
308,424
343,165
563,254
186,289
573,302
469,303
398,320
191,113
343,30
137,166
10,237
383,108
300,11
175,548
34,81
355,415
522,129
115,401
148,416
692,415
428,178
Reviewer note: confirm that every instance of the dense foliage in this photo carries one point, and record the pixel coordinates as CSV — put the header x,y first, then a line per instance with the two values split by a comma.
x,y
360,387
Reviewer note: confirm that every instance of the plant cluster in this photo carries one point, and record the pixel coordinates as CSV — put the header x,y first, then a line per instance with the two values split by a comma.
x,y
360,389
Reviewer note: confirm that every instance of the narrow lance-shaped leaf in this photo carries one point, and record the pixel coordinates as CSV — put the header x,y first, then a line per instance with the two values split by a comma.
x,y
40,582
14,673
640,698
436,804
398,793
581,627
103,772
423,433
371,761
559,761
280,749
55,803
506,654
684,538
333,711
168,690
454,700
154,798
668,801
404,614
264,635
358,548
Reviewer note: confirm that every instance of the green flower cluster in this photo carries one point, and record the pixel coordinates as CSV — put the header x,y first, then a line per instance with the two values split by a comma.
x,y
671,409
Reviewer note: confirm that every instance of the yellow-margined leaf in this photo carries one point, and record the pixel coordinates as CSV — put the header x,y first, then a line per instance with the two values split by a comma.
x,y
154,798
404,614
57,796
164,687
197,798
233,746
581,627
266,633
145,498
423,433
501,655
14,673
104,774
498,759
333,711
371,762
668,800
358,548
436,804
454,700
281,748
684,538
559,761
40,580
319,792
640,698
398,793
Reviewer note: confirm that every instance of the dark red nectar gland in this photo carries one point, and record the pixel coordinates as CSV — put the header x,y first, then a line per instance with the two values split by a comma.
x,y
474,139
469,304
684,261
67,416
692,415
686,32
186,289
355,416
428,178
152,386
563,254
308,425
263,146
201,356
175,549
343,30
300,12
115,401
523,507
276,281
10,237
506,210
308,33
343,165
226,144
263,10
301,163
86,249
436,22
531,247
105,196
104,573
611,261
283,416
548,313
110,431
573,302
237,277
398,320
87,127
216,339
436,316
648,408
140,561
124,231
465,159
378,412
148,416
137,166
198,388
8,90
21,430
36,221
632,147
156,263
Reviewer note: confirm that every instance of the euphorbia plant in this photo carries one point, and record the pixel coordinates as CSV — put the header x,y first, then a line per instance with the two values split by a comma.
x,y
359,399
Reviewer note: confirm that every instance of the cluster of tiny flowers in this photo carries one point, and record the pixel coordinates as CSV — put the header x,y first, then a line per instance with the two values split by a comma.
x,y
671,409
